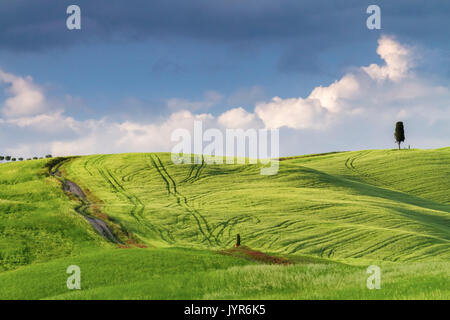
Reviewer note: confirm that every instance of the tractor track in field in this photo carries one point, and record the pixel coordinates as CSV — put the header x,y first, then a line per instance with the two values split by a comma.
x,y
191,170
138,207
210,233
182,201
199,171
229,225
349,163
130,176
192,177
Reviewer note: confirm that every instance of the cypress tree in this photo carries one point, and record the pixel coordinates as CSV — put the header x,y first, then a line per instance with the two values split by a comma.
x,y
399,133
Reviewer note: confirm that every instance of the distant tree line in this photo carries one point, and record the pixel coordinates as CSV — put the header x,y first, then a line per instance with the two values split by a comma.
x,y
10,158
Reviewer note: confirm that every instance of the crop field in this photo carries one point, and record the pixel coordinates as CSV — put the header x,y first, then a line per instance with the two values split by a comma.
x,y
308,232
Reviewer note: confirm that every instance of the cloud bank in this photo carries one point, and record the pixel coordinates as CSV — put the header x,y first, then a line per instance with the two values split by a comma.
x,y
356,111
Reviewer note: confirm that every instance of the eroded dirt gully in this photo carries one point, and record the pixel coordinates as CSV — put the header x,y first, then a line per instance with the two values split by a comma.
x,y
72,188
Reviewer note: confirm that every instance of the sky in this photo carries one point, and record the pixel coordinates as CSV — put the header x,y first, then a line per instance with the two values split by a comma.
x,y
137,71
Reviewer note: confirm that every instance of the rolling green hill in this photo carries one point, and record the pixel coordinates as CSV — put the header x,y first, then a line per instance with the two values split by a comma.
x,y
329,215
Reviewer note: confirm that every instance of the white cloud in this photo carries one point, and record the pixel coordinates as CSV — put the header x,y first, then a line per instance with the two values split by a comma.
x,y
135,136
238,118
294,113
112,137
47,122
373,93
317,111
350,112
333,97
25,99
398,58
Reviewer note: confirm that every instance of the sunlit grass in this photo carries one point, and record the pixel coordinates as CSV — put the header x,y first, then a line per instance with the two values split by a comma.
x,y
344,211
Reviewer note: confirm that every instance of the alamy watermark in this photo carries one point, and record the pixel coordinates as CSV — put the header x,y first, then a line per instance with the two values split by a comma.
x,y
73,22
74,280
374,280
374,20
237,146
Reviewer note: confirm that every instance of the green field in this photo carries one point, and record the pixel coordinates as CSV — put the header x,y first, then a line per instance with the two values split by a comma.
x,y
327,216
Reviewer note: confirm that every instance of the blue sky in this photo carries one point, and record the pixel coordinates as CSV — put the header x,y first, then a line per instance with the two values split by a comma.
x,y
135,67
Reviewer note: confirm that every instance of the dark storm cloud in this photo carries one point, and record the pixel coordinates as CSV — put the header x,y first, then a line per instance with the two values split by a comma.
x,y
305,27
37,24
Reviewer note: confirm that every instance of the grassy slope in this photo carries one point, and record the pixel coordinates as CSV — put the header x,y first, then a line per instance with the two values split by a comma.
x,y
37,222
424,173
175,273
303,209
356,207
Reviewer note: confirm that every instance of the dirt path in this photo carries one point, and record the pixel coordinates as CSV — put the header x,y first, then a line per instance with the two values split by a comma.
x,y
71,187
254,255
74,189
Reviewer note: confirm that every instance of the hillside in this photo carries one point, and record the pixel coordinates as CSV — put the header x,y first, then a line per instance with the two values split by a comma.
x,y
376,206
314,205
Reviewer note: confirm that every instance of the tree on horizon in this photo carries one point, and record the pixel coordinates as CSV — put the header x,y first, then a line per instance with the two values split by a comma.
x,y
399,133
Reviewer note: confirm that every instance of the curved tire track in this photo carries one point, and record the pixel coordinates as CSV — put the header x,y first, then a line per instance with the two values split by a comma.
x,y
182,201
138,206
